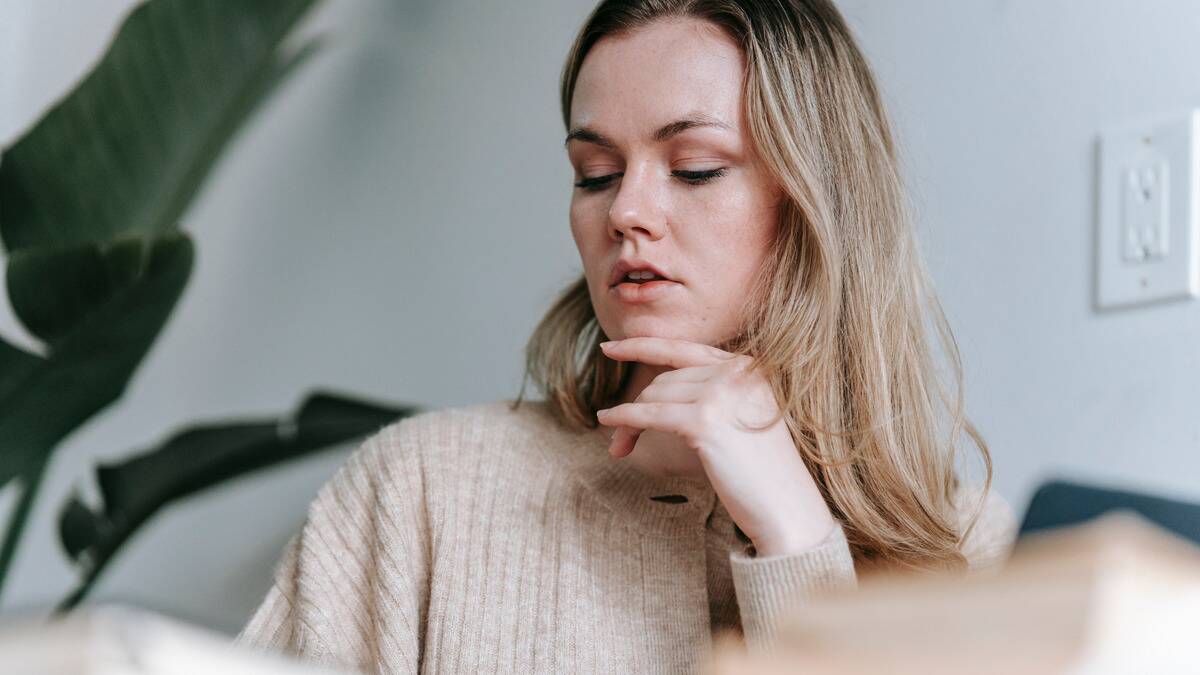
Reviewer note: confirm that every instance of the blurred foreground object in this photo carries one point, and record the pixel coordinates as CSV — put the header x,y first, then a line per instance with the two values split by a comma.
x,y
1116,595
115,640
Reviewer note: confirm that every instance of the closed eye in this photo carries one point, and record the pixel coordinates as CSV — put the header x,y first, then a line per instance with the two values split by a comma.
x,y
598,183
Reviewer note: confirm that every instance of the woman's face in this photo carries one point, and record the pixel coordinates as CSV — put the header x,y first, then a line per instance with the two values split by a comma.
x,y
657,130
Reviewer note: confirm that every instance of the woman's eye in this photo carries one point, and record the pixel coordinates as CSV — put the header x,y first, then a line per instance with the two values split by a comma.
x,y
598,183
700,177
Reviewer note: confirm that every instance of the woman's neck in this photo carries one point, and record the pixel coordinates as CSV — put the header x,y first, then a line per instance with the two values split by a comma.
x,y
658,453
641,378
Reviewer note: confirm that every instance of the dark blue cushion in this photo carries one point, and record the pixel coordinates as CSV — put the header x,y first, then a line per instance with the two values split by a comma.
x,y
1057,503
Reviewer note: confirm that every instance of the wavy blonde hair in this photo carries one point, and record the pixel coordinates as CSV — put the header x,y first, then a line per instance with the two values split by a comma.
x,y
837,321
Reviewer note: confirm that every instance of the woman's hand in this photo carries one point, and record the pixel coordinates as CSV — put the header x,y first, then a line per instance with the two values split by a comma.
x,y
707,400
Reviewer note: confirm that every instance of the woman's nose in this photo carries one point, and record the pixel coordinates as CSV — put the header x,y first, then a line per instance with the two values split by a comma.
x,y
637,206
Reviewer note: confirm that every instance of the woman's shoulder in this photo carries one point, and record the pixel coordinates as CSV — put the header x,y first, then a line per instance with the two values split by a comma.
x,y
469,425
470,435
990,540
430,458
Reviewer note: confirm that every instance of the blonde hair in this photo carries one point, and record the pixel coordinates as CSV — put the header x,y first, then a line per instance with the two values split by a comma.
x,y
837,318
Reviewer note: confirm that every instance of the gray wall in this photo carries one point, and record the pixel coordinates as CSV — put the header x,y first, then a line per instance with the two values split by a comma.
x,y
393,223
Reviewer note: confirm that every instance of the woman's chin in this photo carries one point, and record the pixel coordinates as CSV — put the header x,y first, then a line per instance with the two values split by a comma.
x,y
648,327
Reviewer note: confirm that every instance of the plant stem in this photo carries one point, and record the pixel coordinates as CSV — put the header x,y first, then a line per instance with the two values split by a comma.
x,y
16,521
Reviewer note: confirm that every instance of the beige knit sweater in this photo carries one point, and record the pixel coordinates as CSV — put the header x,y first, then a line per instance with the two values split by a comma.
x,y
481,539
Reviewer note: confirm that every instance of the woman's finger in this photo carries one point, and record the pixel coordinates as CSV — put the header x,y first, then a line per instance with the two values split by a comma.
x,y
668,352
623,441
625,438
670,417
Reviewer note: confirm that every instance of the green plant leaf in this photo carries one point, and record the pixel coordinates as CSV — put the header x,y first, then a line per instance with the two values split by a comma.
x,y
55,288
48,398
196,458
91,367
125,152
15,365
123,155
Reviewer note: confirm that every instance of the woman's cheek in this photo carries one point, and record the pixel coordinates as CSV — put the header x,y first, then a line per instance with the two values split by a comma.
x,y
584,212
579,224
589,241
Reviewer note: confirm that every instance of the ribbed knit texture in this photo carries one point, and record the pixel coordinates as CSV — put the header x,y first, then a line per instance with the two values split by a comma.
x,y
481,539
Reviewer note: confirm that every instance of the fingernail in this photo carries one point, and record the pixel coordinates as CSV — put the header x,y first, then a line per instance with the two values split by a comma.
x,y
607,344
602,412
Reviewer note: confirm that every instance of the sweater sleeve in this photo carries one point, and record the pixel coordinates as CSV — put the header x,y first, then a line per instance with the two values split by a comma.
x,y
768,587
357,571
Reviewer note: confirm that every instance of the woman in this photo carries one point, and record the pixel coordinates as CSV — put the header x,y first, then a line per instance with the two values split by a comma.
x,y
767,394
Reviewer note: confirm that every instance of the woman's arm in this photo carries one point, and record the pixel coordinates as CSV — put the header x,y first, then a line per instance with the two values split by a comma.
x,y
350,589
273,625
767,587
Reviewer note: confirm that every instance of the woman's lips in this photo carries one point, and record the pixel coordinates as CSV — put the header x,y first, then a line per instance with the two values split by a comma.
x,y
646,291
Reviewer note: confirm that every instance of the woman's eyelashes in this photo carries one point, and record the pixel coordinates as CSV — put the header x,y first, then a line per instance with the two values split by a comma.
x,y
597,183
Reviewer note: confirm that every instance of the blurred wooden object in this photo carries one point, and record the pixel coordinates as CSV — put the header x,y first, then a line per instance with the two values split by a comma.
x,y
115,640
1116,595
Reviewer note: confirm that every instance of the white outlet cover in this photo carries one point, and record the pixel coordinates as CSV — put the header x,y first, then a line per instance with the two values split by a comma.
x,y
1148,224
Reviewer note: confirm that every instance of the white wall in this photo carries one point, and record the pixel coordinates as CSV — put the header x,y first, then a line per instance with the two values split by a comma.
x,y
393,223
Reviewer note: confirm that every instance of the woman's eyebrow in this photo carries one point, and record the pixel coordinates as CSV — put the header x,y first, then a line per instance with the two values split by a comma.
x,y
665,132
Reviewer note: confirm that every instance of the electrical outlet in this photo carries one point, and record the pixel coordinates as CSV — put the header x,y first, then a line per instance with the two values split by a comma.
x,y
1148,229
1145,214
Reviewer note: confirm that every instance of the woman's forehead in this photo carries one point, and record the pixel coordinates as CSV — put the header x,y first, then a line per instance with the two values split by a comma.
x,y
667,70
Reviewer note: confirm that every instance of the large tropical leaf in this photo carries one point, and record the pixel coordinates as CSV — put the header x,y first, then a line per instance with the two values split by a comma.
x,y
90,201
48,398
90,367
124,154
127,149
196,458
15,365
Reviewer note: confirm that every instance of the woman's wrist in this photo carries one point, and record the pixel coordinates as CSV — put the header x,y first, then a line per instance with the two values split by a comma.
x,y
796,540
